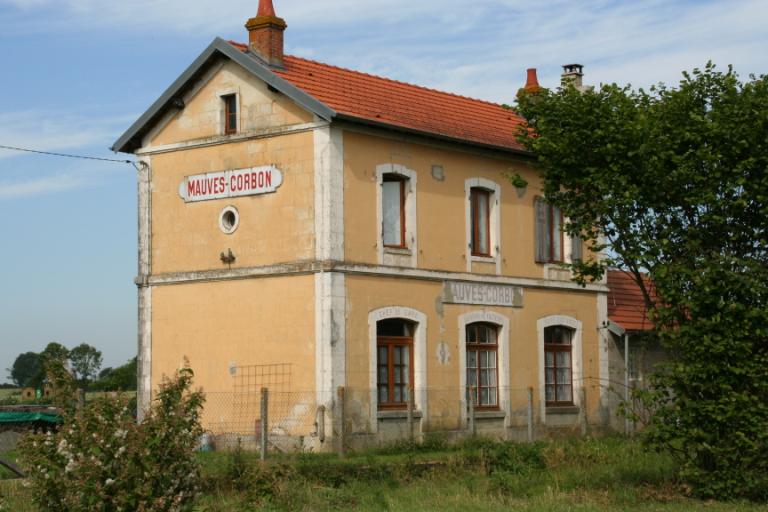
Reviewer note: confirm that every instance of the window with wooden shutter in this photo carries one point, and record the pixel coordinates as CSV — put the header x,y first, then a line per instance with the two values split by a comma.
x,y
576,249
393,214
480,200
542,237
549,232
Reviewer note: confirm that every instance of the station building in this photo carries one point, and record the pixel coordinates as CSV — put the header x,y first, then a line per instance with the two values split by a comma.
x,y
339,229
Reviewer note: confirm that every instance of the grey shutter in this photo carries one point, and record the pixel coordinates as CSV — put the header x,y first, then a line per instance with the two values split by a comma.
x,y
576,249
542,235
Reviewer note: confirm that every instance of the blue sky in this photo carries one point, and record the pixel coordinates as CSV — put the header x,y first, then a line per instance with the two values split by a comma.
x,y
76,73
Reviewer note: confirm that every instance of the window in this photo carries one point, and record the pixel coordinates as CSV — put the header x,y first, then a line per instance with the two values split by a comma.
x,y
549,233
394,362
482,364
230,114
480,200
558,365
576,249
393,204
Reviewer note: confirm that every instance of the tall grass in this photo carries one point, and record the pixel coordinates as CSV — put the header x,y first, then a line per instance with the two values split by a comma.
x,y
604,474
478,474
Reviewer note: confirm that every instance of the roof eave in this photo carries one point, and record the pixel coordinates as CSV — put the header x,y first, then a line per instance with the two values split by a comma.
x,y
128,142
390,126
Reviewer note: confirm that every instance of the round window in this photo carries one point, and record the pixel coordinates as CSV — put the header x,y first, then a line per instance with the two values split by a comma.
x,y
229,219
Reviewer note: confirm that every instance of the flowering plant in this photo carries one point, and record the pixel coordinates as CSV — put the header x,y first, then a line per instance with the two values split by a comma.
x,y
100,459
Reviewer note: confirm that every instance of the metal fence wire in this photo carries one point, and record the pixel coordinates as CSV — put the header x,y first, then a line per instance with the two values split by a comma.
x,y
351,417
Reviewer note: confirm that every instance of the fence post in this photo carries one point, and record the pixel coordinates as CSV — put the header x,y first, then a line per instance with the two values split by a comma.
x,y
530,415
471,402
343,421
583,411
264,423
409,398
321,423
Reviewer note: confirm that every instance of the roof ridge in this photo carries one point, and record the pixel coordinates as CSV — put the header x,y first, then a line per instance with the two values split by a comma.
x,y
244,47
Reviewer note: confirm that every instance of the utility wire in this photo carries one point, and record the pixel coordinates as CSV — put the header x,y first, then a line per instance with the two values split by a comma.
x,y
27,150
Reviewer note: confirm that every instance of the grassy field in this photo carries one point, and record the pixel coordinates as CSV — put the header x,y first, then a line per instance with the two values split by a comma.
x,y
609,474
5,393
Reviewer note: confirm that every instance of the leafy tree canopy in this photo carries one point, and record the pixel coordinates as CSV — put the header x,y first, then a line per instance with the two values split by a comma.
x,y
26,368
86,362
55,351
675,182
122,378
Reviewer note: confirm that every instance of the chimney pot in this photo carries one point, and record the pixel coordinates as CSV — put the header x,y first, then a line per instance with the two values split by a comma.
x,y
532,82
265,34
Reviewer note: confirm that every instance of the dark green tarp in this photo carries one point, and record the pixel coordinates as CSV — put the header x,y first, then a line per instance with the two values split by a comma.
x,y
29,417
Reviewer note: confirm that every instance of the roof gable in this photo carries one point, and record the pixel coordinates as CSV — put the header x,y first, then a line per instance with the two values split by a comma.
x,y
333,92
131,139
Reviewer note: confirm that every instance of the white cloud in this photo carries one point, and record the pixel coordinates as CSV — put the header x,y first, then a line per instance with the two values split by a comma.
x,y
56,131
479,48
41,186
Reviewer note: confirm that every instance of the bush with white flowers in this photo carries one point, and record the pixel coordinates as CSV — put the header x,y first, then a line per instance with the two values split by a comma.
x,y
100,459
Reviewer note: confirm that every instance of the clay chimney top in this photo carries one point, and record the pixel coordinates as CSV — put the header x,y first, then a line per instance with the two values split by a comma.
x,y
266,8
265,34
532,82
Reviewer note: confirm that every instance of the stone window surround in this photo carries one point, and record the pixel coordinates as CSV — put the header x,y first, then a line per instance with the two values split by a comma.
x,y
408,256
576,358
502,323
495,222
419,355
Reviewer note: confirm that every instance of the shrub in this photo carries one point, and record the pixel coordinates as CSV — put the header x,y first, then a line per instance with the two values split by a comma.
x,y
102,460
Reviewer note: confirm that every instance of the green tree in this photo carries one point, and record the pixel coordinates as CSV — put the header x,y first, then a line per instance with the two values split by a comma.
x,y
675,182
55,351
122,378
26,369
85,361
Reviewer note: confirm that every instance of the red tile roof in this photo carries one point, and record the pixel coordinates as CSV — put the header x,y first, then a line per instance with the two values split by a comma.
x,y
626,305
397,104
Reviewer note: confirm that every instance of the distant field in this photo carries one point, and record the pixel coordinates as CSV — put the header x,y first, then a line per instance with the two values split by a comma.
x,y
5,393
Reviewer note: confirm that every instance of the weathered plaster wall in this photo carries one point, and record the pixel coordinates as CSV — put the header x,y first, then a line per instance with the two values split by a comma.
x,y
274,228
241,322
442,212
368,293
203,114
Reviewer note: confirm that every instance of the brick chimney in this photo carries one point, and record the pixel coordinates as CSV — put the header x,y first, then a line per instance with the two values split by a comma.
x,y
265,34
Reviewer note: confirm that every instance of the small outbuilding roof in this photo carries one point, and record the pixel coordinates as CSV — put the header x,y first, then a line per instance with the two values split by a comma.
x,y
626,304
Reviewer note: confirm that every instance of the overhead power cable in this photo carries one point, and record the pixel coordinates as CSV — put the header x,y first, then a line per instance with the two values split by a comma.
x,y
65,155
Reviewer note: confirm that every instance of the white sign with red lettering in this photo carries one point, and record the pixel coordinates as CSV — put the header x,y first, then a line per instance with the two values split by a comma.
x,y
235,183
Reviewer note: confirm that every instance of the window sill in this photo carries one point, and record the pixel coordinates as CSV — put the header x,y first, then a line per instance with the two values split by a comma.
x,y
563,409
397,415
490,415
400,251
482,259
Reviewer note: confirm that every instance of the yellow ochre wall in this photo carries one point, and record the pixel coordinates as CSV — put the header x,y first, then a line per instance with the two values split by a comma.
x,y
203,115
274,228
242,322
441,205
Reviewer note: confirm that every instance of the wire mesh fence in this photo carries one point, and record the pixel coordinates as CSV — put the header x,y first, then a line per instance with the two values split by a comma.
x,y
238,418
353,417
